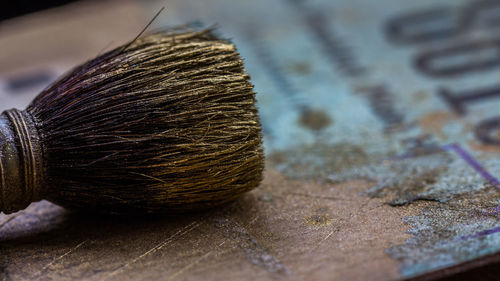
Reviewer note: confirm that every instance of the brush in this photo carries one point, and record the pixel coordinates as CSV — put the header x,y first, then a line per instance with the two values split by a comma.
x,y
164,124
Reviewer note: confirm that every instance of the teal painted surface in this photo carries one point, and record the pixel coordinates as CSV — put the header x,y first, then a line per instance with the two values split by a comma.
x,y
342,98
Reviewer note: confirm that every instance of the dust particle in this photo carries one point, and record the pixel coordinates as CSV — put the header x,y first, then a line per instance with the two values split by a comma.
x,y
319,218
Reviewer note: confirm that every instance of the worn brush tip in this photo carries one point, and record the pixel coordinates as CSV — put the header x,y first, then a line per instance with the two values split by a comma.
x,y
165,124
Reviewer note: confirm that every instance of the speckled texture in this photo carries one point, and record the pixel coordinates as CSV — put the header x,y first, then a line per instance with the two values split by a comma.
x,y
451,231
460,225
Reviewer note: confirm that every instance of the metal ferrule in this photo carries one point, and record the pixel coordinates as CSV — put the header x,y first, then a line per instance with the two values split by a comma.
x,y
20,161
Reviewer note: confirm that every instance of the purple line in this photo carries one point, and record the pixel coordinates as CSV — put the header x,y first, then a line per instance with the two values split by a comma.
x,y
491,212
482,233
485,174
473,163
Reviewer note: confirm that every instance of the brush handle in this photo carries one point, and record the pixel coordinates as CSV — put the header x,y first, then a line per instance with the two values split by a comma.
x,y
20,161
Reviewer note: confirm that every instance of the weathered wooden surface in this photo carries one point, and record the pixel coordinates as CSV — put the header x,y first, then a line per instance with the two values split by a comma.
x,y
285,230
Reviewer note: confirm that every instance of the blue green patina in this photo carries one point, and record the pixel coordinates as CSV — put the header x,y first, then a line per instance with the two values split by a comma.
x,y
403,93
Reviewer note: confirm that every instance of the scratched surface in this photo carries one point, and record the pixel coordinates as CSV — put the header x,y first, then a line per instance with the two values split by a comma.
x,y
382,136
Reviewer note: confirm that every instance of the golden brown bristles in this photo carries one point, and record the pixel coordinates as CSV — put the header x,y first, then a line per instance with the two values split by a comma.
x,y
167,124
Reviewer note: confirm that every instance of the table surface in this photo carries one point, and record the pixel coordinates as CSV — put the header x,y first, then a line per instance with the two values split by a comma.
x,y
381,136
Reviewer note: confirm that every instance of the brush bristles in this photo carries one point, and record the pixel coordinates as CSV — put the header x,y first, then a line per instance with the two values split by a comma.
x,y
167,124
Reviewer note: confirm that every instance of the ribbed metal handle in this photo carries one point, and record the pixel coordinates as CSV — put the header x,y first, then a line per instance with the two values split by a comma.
x,y
20,161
